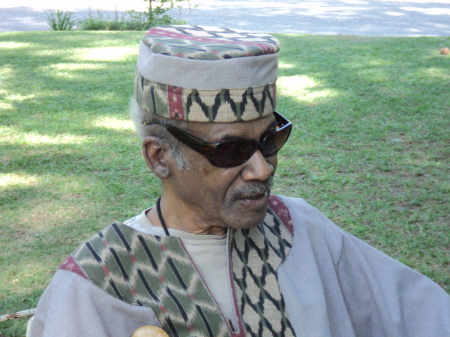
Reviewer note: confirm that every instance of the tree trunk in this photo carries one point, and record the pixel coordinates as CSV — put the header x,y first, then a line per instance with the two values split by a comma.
x,y
150,11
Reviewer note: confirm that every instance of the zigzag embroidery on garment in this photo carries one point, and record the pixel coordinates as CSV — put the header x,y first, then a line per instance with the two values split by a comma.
x,y
156,272
257,254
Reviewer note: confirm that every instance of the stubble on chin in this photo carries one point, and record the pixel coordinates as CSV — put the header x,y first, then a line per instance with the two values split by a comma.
x,y
246,218
250,220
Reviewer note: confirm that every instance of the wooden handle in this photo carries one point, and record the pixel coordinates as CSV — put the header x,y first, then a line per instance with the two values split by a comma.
x,y
149,331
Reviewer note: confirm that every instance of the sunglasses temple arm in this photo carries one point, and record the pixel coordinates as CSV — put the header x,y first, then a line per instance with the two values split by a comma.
x,y
193,142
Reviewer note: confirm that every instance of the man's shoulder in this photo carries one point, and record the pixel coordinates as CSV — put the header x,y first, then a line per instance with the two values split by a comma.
x,y
307,219
115,231
94,248
291,202
299,209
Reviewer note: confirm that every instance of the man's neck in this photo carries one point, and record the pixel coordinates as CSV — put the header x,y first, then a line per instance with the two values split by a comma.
x,y
178,215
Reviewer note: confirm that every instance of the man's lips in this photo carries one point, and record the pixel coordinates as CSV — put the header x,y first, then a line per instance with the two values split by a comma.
x,y
253,197
254,201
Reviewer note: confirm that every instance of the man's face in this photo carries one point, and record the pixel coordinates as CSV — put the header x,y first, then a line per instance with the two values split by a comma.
x,y
233,197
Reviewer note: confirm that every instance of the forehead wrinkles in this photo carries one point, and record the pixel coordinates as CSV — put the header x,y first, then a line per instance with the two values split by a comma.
x,y
217,132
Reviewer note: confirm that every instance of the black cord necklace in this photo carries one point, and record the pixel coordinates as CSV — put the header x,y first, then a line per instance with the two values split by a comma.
x,y
161,219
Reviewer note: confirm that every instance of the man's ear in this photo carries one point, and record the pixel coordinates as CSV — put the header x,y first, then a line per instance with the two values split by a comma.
x,y
154,155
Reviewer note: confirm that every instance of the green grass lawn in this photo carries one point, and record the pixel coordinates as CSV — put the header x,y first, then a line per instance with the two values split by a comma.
x,y
370,150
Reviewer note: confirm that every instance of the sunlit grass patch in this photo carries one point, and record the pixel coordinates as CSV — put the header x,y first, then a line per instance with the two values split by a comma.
x,y
104,54
15,45
17,179
70,70
113,123
35,138
303,88
438,73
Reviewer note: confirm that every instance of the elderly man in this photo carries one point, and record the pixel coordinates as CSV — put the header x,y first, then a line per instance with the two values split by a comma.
x,y
218,255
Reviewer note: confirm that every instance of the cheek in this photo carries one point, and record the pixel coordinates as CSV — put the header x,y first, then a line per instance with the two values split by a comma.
x,y
273,161
208,182
218,182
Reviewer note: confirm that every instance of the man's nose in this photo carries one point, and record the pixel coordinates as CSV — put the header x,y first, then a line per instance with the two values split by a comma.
x,y
258,167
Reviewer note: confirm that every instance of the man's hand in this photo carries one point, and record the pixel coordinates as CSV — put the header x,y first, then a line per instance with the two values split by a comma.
x,y
149,331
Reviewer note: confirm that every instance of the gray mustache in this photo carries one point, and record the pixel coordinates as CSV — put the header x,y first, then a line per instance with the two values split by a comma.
x,y
253,189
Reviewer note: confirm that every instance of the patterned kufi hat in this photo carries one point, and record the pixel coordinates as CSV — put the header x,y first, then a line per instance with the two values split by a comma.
x,y
207,74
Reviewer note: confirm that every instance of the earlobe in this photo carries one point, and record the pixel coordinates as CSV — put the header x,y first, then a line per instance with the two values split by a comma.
x,y
154,155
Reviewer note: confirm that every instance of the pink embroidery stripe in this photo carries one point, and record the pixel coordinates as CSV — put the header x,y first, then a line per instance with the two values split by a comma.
x,y
105,269
279,207
70,264
267,47
176,109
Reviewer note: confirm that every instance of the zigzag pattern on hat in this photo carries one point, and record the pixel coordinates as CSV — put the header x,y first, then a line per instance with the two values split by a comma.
x,y
224,105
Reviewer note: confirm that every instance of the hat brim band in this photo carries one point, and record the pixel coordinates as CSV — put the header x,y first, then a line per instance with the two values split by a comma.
x,y
205,105
207,74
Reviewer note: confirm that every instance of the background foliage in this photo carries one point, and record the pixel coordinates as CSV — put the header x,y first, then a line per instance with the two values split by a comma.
x,y
157,13
370,150
60,20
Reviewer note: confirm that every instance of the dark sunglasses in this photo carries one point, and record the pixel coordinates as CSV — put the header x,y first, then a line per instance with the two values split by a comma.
x,y
235,153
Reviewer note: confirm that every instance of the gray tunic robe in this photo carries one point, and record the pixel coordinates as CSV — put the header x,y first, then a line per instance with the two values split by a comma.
x,y
333,285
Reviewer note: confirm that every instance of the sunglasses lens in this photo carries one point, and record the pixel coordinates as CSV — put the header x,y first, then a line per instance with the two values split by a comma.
x,y
274,142
233,153
236,153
